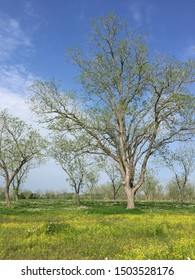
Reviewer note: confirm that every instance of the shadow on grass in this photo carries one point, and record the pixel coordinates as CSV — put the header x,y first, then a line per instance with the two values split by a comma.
x,y
110,208
119,207
114,211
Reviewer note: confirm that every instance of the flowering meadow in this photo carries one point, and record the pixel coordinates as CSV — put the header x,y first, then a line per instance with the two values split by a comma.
x,y
57,229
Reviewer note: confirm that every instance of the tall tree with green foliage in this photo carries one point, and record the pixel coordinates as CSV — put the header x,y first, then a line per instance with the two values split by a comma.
x,y
20,144
132,103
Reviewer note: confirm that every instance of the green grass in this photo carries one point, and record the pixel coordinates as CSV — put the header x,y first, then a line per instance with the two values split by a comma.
x,y
58,229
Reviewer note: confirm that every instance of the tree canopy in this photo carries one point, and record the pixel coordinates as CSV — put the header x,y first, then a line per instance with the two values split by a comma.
x,y
75,165
133,103
20,144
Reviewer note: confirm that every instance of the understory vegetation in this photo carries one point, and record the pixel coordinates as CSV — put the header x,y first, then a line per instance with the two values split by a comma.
x,y
55,229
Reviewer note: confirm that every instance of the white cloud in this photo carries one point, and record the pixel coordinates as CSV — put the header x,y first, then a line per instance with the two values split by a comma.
x,y
15,78
12,37
14,83
13,102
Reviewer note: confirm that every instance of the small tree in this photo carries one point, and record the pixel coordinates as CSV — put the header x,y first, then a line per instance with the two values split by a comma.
x,y
103,192
150,186
112,171
190,191
67,154
182,164
174,193
172,190
26,194
91,180
20,144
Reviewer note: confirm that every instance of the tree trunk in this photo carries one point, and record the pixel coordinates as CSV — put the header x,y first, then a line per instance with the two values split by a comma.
x,y
128,183
90,193
7,197
77,199
130,193
8,182
182,196
16,195
114,196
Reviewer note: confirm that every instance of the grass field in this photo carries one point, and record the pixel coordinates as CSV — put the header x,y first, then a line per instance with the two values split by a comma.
x,y
57,229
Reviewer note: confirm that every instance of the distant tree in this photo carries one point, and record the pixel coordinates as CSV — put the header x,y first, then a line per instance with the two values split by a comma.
x,y
182,164
151,186
103,192
91,180
20,144
172,190
26,194
75,165
190,191
133,103
113,173
49,195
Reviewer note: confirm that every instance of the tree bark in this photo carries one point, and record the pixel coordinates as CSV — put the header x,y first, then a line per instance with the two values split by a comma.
x,y
130,193
114,195
77,199
90,193
16,195
7,197
182,196
130,198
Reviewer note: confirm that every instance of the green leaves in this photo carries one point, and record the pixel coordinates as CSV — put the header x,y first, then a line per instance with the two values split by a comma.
x,y
133,103
19,145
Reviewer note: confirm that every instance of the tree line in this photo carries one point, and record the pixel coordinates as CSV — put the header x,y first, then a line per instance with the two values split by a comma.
x,y
133,106
151,190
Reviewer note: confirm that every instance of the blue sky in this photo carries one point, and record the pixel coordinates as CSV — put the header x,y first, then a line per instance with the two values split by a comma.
x,y
34,36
